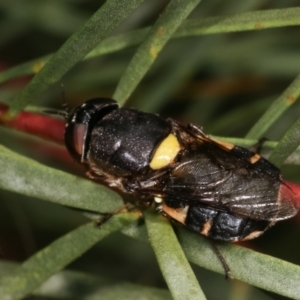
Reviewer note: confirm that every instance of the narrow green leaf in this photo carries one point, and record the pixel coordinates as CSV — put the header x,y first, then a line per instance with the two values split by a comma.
x,y
222,24
37,269
160,33
25,176
287,98
176,269
91,286
129,291
287,145
110,14
27,68
260,270
255,20
159,90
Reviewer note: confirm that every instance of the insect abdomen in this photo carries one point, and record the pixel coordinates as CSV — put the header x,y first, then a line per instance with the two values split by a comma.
x,y
215,224
223,226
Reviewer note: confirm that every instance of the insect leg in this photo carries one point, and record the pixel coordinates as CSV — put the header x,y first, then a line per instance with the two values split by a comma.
x,y
257,147
105,218
222,260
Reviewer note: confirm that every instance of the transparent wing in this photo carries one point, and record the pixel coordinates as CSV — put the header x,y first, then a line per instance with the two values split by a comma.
x,y
236,190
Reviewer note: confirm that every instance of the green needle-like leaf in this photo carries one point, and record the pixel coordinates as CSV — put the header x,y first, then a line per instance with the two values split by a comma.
x,y
287,145
258,269
287,98
92,287
110,14
176,269
22,175
222,24
174,14
37,269
255,20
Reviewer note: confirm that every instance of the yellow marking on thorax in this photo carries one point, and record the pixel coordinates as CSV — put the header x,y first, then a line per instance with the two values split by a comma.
x,y
165,153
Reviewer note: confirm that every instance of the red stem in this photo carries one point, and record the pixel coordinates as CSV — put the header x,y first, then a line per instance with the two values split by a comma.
x,y
48,128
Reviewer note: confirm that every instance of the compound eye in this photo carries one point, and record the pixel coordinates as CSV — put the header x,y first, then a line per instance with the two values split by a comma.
x,y
75,137
81,122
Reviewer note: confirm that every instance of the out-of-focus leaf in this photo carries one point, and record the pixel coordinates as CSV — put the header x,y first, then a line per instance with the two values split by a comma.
x,y
109,15
92,287
287,98
245,264
22,175
37,269
222,24
287,145
159,34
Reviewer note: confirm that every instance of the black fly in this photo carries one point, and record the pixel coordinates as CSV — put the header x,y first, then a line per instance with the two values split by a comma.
x,y
220,190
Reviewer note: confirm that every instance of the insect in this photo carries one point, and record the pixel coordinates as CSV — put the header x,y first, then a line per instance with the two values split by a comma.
x,y
220,190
